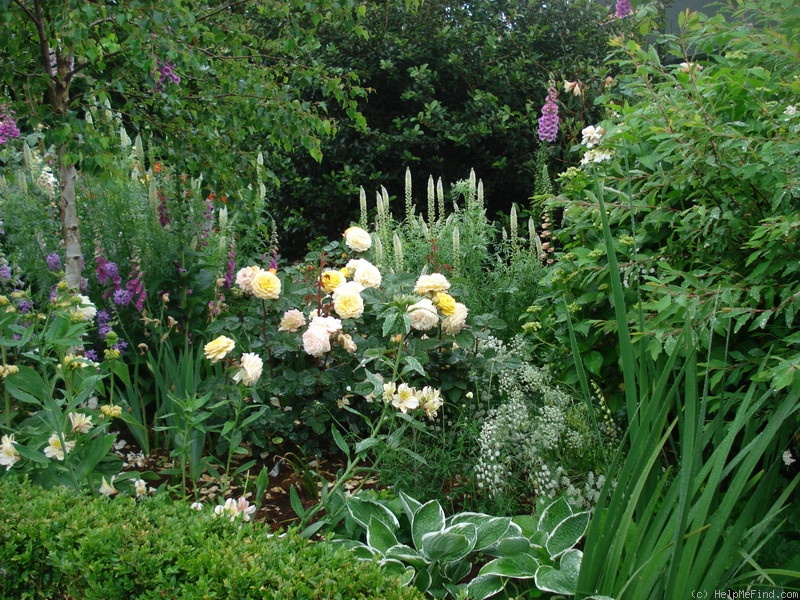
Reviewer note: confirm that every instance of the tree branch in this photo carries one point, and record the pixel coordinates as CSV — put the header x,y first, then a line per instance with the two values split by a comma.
x,y
220,9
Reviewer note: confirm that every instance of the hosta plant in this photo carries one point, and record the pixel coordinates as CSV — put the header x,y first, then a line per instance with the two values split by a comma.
x,y
468,554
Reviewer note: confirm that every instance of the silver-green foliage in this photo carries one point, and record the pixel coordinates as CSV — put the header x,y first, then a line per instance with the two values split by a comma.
x,y
438,553
539,439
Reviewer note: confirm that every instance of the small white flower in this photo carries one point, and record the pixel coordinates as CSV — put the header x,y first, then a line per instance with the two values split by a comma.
x,y
8,452
80,422
788,459
140,487
406,398
790,110
54,448
592,135
197,505
84,309
108,489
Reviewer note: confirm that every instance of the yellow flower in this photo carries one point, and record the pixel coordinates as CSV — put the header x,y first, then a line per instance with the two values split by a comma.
x,y
330,280
445,303
349,305
219,348
111,410
266,285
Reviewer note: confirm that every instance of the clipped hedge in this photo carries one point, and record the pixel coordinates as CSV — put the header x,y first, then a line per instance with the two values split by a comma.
x,y
55,544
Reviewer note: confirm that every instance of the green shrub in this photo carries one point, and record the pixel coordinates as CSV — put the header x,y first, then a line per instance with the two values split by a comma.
x,y
698,161
57,544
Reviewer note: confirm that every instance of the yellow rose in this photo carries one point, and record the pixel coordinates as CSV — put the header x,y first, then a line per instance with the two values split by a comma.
x,y
330,280
265,285
218,348
349,305
445,303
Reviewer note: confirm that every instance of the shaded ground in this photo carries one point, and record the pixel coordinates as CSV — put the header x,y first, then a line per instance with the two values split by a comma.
x,y
286,470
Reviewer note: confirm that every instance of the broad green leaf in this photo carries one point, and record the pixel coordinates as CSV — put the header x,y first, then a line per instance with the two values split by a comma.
x,y
408,555
563,580
553,514
567,533
363,510
427,518
519,566
446,547
485,586
410,505
379,536
513,545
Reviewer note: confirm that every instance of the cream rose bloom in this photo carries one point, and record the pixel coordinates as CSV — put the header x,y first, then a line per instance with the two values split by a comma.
x,y
357,239
292,321
346,340
252,365
316,341
218,348
265,285
244,277
331,279
423,315
349,305
454,323
329,324
364,272
431,284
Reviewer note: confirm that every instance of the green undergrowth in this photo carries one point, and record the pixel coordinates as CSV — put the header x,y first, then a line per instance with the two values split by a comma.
x,y
56,544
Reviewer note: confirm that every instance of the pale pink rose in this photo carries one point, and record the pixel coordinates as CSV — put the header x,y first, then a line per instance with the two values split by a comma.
x,y
245,277
329,324
292,321
423,315
316,341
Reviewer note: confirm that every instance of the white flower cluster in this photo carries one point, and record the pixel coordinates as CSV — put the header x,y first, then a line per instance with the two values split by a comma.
x,y
539,433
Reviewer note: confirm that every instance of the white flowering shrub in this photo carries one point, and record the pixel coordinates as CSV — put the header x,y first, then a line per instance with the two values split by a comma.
x,y
539,436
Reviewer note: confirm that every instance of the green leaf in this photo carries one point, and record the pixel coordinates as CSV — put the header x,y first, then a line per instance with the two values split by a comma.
x,y
363,510
553,514
446,547
413,364
340,442
379,536
513,545
294,500
485,586
519,566
563,580
428,518
567,533
408,555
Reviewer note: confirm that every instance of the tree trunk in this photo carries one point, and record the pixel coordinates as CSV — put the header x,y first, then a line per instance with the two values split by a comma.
x,y
70,231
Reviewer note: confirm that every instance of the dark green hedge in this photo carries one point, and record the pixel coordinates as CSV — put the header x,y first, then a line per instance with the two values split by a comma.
x,y
55,544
